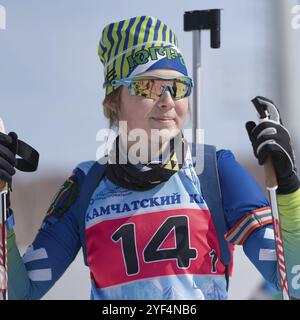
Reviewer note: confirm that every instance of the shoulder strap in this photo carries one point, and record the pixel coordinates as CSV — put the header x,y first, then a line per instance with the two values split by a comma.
x,y
210,186
91,180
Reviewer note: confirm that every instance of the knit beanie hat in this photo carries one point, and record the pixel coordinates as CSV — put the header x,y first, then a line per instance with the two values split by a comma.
x,y
136,45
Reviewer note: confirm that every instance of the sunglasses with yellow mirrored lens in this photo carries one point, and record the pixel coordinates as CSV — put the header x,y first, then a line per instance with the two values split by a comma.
x,y
153,87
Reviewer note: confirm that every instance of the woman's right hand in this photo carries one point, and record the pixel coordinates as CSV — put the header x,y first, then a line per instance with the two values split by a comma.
x,y
8,150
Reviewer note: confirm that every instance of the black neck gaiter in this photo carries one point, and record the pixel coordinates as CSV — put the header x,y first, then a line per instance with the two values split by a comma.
x,y
142,177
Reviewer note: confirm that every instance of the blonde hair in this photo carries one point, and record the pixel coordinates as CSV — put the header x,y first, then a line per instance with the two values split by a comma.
x,y
111,107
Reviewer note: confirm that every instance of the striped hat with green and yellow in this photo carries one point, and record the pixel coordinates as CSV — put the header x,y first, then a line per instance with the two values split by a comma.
x,y
136,45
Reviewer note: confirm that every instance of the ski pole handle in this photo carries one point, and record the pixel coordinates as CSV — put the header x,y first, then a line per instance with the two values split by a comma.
x,y
272,185
3,184
270,175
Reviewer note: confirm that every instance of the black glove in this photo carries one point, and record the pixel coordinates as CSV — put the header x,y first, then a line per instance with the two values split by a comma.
x,y
271,138
8,150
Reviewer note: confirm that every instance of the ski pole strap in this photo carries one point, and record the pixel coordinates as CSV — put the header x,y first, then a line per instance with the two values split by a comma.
x,y
29,157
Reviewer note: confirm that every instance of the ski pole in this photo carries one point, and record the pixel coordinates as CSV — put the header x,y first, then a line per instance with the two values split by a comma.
x,y
196,21
272,185
3,243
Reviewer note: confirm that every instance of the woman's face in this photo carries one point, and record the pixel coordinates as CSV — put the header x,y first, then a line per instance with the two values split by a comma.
x,y
147,114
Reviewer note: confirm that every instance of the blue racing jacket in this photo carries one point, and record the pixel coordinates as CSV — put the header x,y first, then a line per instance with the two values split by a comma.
x,y
162,243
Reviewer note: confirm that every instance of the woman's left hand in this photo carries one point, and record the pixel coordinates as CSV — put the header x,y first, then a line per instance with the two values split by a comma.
x,y
271,138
